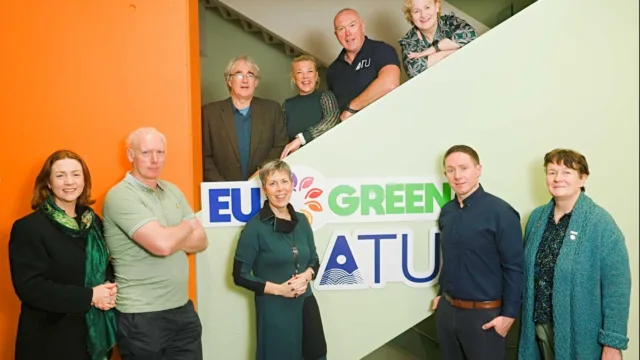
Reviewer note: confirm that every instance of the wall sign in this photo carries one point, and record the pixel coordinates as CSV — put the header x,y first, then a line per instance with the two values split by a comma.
x,y
325,201
353,259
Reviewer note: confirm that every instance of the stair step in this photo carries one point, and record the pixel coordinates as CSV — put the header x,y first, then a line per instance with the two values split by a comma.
x,y
420,340
269,38
227,14
249,26
211,4
389,351
290,50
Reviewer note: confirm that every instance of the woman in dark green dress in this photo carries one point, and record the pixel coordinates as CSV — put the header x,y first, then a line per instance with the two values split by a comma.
x,y
276,259
312,112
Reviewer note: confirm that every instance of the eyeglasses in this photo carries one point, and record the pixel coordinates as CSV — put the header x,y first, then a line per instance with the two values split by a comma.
x,y
240,76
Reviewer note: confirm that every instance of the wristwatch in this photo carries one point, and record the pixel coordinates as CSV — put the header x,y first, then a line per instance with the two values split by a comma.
x,y
352,110
435,45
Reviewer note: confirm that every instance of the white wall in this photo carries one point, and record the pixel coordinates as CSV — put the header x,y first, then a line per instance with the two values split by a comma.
x,y
485,11
308,24
514,94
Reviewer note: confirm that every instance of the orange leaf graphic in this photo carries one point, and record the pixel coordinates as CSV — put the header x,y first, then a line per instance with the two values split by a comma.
x,y
306,182
308,215
313,193
314,205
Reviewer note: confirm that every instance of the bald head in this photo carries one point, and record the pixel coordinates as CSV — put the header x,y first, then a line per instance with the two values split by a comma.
x,y
349,30
133,140
346,12
146,148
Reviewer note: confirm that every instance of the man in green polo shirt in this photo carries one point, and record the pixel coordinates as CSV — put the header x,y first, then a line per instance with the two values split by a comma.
x,y
149,229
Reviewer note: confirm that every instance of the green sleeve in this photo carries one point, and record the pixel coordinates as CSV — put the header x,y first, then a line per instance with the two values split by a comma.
x,y
615,290
330,117
413,67
463,32
247,251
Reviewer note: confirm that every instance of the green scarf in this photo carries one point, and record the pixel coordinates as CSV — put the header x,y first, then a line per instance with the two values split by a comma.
x,y
101,324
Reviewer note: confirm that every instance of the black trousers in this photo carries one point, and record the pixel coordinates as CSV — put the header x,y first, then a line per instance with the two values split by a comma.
x,y
174,334
461,335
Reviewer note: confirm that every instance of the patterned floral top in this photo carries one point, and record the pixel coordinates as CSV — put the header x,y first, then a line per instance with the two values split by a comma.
x,y
544,269
449,27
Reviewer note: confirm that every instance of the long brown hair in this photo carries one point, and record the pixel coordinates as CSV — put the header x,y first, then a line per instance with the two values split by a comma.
x,y
41,190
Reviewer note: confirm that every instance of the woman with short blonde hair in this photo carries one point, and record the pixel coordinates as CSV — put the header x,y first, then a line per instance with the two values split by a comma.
x,y
312,112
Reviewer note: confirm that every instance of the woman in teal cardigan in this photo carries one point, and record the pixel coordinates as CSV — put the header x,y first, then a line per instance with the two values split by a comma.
x,y
577,278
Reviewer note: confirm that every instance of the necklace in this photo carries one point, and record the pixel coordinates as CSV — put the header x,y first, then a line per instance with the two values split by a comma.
x,y
294,249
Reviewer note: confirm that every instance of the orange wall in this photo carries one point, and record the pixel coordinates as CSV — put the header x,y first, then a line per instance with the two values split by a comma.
x,y
81,75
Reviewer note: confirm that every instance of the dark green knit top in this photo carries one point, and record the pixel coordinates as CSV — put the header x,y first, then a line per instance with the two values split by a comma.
x,y
312,115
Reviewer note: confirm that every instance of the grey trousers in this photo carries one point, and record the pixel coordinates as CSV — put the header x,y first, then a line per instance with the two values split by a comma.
x,y
544,337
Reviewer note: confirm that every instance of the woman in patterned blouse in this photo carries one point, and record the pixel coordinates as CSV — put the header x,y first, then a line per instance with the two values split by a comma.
x,y
311,113
432,37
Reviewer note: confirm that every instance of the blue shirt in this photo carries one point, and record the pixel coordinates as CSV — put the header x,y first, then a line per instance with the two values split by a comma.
x,y
482,251
242,119
347,81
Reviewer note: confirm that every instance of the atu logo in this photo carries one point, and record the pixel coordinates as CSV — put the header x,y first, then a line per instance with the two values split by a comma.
x,y
364,259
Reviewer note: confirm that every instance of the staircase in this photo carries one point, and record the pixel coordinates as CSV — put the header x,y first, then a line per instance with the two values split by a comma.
x,y
280,21
251,26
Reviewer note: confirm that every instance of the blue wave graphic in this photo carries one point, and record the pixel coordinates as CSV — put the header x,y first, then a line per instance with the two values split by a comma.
x,y
338,276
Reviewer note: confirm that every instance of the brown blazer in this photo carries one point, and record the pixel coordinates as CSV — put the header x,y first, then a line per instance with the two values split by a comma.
x,y
220,154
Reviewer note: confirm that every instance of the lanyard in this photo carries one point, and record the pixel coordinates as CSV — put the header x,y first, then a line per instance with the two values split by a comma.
x,y
294,250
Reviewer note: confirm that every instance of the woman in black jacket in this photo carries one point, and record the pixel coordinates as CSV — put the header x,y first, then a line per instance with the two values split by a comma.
x,y
60,268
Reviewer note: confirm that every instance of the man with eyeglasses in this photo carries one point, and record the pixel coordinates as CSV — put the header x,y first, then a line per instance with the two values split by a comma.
x,y
243,131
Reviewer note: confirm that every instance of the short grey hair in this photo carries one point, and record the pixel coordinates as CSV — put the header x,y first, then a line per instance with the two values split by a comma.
x,y
132,139
246,58
273,166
